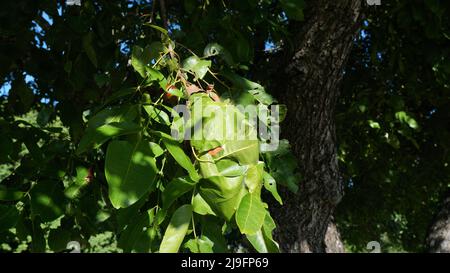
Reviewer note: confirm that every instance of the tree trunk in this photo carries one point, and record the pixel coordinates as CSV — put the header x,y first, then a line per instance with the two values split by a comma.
x,y
312,77
438,239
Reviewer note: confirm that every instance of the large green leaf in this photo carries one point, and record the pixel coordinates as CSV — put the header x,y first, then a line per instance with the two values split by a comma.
x,y
256,90
175,189
9,194
197,66
250,214
106,124
9,215
157,114
223,194
137,236
282,166
175,232
262,240
200,206
140,59
180,156
224,126
48,200
130,171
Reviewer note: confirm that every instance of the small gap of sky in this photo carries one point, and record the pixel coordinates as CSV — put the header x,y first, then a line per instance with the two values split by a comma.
x,y
30,80
269,45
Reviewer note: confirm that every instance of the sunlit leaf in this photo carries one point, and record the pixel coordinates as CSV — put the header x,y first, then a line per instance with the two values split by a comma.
x,y
175,232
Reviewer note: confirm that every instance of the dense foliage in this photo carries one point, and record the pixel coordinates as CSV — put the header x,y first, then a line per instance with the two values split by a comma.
x,y
395,148
99,155
86,149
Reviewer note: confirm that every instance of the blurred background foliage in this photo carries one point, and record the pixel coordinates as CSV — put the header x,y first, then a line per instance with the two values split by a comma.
x,y
59,60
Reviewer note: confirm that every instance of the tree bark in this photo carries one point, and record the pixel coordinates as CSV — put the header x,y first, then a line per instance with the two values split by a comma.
x,y
333,242
312,78
438,239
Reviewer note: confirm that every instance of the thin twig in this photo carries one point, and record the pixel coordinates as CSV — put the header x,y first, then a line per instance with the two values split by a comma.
x,y
153,11
164,13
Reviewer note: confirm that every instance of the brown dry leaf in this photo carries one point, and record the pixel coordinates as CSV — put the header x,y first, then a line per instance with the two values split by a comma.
x,y
215,151
190,89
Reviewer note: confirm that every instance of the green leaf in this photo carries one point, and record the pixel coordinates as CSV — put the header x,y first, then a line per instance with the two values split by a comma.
x,y
262,240
9,215
130,170
230,168
197,66
58,239
200,206
156,149
256,90
95,138
44,116
282,111
254,178
157,114
47,200
20,96
282,166
180,156
271,185
137,236
176,92
140,59
374,124
6,148
258,242
175,189
214,49
127,215
262,96
402,116
223,194
220,123
89,48
199,245
119,94
250,214
156,50
212,232
158,28
175,232
74,188
152,75
10,194
38,243
106,124
293,9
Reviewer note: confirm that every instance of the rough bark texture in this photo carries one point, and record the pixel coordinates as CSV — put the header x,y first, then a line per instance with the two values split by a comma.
x,y
333,242
313,75
438,239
